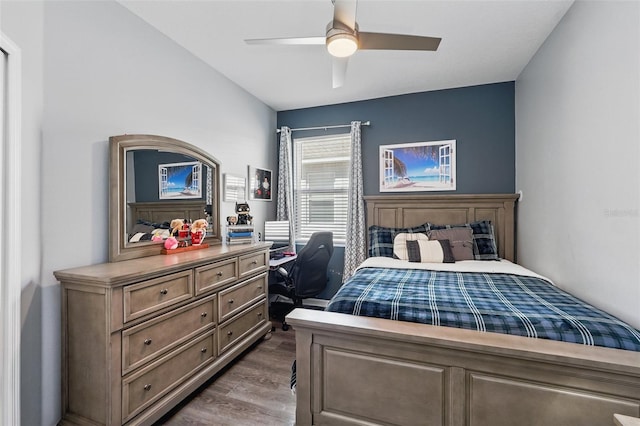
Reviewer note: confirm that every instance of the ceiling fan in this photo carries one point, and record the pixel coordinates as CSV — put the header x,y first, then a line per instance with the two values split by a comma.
x,y
343,39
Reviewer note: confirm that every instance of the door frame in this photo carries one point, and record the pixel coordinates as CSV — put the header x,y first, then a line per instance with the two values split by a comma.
x,y
10,247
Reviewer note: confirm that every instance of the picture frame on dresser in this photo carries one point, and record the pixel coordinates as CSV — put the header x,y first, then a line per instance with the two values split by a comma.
x,y
235,188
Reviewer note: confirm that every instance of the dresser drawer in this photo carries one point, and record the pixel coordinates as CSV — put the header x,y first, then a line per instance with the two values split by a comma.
x,y
210,277
253,263
152,295
144,342
234,299
142,388
235,329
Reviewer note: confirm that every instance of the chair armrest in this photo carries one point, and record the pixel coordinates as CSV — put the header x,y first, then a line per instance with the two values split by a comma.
x,y
283,272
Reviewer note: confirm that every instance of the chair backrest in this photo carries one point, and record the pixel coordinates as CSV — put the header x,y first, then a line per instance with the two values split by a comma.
x,y
309,273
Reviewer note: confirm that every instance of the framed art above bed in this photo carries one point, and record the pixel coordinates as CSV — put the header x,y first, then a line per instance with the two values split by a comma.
x,y
418,166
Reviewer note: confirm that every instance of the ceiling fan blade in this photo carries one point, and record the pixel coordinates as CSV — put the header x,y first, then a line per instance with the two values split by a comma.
x,y
345,11
288,41
374,41
339,71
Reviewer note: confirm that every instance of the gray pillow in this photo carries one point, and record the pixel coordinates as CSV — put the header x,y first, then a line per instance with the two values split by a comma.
x,y
460,241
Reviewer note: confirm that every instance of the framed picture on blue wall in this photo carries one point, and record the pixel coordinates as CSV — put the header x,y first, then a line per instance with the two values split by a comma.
x,y
180,180
260,184
418,166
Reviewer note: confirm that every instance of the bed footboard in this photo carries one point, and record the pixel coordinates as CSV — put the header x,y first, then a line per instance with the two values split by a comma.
x,y
367,371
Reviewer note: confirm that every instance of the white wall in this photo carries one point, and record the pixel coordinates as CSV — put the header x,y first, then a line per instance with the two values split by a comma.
x,y
578,156
95,70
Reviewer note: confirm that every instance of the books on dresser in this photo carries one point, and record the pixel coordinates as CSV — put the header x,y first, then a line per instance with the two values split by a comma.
x,y
239,234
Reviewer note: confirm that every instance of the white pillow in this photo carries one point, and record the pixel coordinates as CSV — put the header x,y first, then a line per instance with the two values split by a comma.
x,y
422,249
137,236
400,243
429,252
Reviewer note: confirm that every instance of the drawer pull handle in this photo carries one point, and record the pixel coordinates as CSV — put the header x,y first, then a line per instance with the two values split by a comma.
x,y
203,350
164,291
259,314
219,274
229,333
255,262
147,342
230,300
147,387
203,315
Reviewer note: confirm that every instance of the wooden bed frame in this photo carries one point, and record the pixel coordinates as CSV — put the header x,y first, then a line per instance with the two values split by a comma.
x,y
159,211
367,371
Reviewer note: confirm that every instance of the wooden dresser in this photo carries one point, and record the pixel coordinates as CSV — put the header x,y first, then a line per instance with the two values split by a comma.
x,y
138,336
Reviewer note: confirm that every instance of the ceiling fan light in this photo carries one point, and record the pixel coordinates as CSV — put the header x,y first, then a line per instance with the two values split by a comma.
x,y
342,45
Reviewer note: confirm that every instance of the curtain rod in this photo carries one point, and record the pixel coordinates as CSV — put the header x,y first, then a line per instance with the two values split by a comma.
x,y
366,123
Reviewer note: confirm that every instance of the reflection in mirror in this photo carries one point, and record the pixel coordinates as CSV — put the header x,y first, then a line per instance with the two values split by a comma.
x,y
154,180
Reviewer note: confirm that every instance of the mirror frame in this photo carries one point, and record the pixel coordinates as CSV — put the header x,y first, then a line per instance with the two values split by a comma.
x,y
118,147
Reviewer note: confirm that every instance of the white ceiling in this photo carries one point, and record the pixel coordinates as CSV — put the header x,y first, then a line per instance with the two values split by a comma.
x,y
482,42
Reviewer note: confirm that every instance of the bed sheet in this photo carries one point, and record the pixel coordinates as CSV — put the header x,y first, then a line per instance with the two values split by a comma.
x,y
496,296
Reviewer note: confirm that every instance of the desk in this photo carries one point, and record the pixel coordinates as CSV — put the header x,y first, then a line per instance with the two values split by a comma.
x,y
274,299
276,263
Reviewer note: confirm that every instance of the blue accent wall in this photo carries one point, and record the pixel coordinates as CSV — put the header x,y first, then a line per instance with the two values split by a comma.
x,y
480,118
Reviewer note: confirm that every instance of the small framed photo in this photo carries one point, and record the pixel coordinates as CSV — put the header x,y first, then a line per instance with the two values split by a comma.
x,y
260,184
418,166
235,188
180,180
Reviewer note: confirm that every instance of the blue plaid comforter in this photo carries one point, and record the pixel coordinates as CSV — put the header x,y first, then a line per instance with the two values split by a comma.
x,y
500,303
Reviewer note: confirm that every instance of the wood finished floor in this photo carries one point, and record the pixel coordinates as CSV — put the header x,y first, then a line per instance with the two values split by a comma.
x,y
253,391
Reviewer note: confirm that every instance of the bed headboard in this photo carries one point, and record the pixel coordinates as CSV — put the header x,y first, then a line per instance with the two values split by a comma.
x,y
401,211
159,211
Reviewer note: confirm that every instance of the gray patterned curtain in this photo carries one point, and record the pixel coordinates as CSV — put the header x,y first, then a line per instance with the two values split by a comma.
x,y
355,246
285,184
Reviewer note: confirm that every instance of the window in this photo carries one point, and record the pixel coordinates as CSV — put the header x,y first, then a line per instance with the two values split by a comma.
x,y
321,183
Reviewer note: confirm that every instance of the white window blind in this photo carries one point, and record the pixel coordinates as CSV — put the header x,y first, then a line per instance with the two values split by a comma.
x,y
321,181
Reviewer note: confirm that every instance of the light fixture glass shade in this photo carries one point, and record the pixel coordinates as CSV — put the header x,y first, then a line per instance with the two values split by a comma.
x,y
342,45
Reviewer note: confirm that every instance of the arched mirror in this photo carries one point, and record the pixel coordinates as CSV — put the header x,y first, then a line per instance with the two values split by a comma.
x,y
153,180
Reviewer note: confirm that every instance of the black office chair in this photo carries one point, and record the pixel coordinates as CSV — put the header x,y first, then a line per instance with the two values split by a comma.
x,y
308,275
